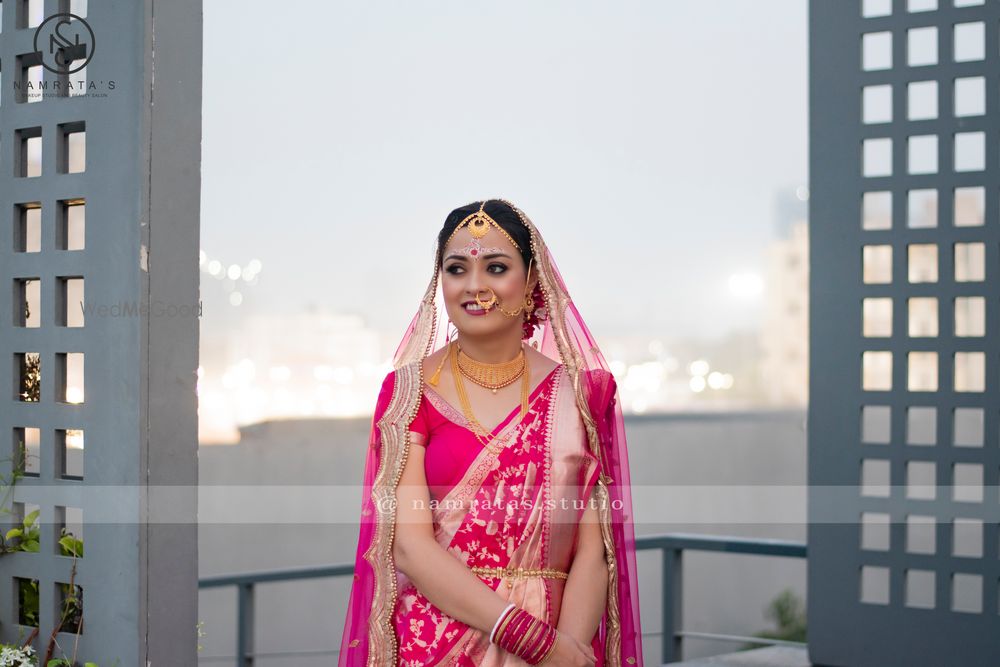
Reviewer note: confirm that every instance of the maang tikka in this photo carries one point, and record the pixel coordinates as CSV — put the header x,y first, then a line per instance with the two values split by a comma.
x,y
479,224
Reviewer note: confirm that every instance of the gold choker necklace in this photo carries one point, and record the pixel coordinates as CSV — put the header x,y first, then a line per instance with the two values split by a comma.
x,y
482,434
492,376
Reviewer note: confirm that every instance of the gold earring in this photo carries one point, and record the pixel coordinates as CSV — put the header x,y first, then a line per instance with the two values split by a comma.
x,y
437,374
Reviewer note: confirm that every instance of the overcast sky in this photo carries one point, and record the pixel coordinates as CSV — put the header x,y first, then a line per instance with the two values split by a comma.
x,y
646,140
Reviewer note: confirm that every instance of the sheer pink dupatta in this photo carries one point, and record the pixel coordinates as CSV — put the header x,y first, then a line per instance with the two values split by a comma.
x,y
368,637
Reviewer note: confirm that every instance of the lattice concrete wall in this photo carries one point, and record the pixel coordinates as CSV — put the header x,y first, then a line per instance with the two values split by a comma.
x,y
99,200
904,418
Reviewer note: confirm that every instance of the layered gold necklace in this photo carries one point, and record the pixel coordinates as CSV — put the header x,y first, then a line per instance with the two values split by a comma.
x,y
493,376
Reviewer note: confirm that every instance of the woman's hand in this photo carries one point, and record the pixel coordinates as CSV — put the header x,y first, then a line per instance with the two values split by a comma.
x,y
568,652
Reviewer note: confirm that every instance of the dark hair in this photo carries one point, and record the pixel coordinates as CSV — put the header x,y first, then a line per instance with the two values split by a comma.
x,y
505,216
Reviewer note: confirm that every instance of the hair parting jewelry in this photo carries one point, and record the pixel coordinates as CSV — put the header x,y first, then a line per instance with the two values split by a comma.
x,y
479,223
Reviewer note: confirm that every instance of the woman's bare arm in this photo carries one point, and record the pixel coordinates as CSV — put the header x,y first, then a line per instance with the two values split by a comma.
x,y
443,579
586,591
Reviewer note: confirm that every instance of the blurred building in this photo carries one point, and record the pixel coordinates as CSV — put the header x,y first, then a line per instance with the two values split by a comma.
x,y
784,335
315,363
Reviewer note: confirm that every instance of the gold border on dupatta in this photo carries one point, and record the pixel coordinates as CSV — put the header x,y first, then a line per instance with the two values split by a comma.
x,y
394,429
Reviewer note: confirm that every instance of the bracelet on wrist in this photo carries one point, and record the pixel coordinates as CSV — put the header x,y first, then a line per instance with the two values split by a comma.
x,y
524,635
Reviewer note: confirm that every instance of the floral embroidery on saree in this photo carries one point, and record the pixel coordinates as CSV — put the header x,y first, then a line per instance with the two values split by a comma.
x,y
501,499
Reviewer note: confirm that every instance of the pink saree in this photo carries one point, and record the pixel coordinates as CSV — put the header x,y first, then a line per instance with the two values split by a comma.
x,y
518,508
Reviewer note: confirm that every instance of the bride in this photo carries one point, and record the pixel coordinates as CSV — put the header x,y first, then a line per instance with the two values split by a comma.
x,y
496,520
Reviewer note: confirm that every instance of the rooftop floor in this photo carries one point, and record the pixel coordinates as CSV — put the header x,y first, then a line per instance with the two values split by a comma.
x,y
771,656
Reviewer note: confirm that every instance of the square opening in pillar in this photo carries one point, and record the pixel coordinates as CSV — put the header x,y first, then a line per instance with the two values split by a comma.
x,y
876,261
70,301
968,427
921,5
876,209
27,377
970,371
876,104
29,83
875,478
921,480
876,424
78,7
967,592
874,584
26,519
921,46
69,453
70,522
71,224
970,206
922,100
921,534
922,154
877,317
27,601
27,302
28,160
28,227
29,13
69,377
922,371
922,208
72,154
876,50
921,425
967,538
876,157
970,262
920,589
970,151
922,316
969,41
26,450
69,607
970,96
874,531
876,370
922,263
873,8
967,482
970,316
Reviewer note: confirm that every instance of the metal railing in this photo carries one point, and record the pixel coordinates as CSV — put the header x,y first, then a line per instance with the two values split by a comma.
x,y
671,546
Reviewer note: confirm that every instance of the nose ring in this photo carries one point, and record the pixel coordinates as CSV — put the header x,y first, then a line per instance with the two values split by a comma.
x,y
492,301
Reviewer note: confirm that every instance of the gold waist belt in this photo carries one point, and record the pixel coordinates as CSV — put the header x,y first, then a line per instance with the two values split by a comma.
x,y
519,572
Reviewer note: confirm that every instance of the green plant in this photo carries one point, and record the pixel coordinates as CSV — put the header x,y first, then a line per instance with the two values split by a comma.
x,y
788,612
25,537
7,484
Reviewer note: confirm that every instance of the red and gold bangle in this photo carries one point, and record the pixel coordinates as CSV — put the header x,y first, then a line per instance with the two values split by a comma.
x,y
527,637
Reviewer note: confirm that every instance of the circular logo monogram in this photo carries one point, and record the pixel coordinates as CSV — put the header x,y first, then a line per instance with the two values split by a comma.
x,y
63,39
